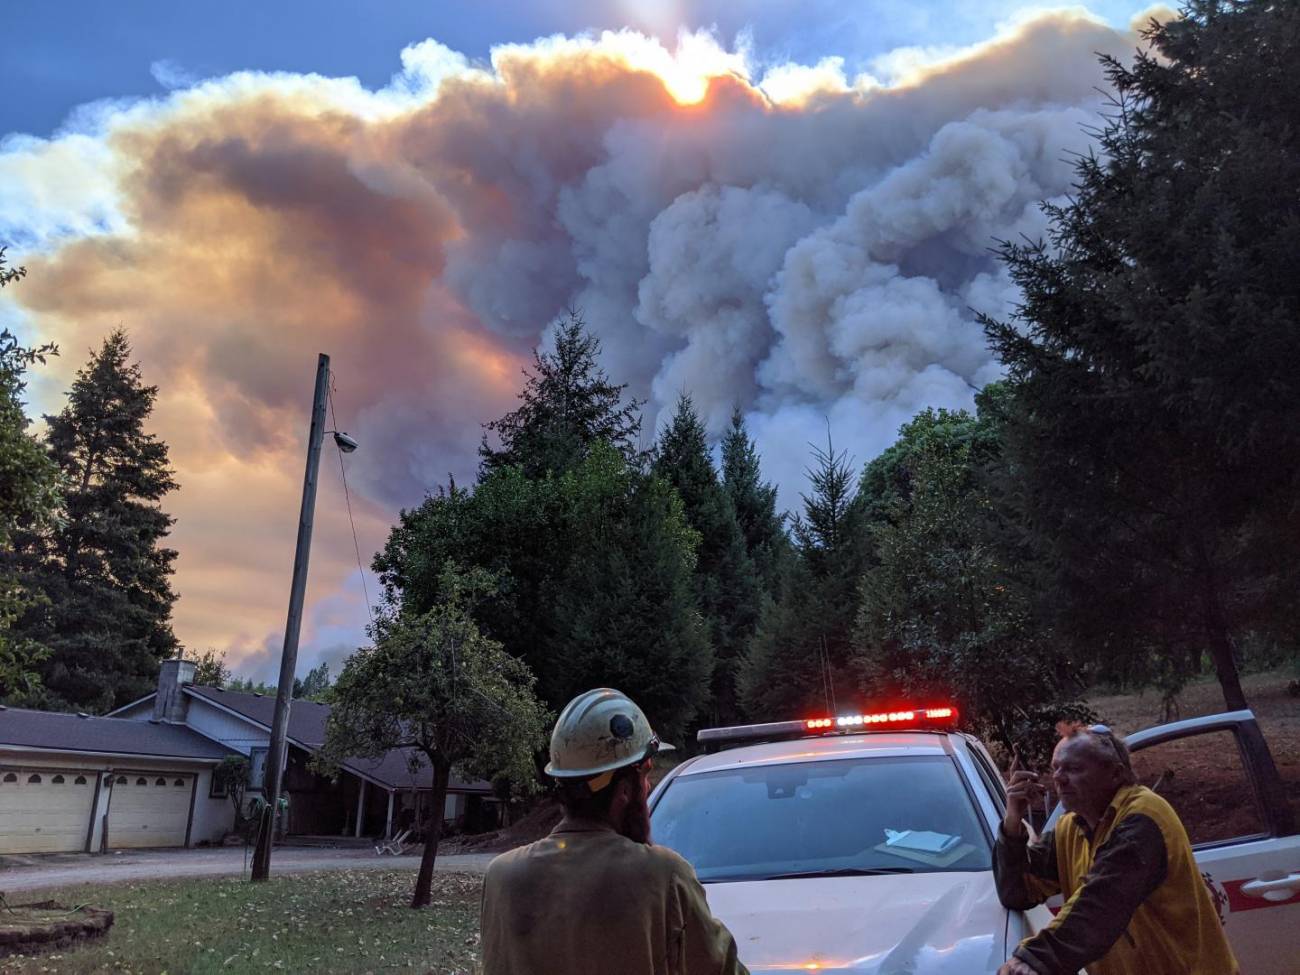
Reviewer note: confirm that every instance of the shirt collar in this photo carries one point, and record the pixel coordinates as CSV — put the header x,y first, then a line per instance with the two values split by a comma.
x,y
575,824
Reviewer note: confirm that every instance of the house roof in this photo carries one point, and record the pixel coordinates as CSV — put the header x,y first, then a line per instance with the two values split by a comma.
x,y
307,728
56,731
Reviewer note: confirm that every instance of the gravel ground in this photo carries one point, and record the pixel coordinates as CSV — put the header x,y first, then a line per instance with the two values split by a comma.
x,y
60,870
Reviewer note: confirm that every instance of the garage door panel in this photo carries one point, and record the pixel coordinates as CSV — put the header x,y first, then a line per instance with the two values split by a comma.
x,y
149,809
44,810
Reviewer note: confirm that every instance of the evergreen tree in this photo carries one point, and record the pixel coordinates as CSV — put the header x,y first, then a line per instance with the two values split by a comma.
x,y
943,617
799,658
103,568
725,582
594,569
754,501
1156,414
569,404
29,501
210,668
315,686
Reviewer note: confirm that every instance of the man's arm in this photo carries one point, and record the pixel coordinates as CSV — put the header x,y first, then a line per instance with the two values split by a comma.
x,y
704,945
1129,866
1025,873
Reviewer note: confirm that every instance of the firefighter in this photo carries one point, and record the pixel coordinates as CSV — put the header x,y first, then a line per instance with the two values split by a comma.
x,y
596,896
1135,903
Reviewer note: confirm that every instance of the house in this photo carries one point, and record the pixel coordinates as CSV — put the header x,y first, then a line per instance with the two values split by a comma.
x,y
111,773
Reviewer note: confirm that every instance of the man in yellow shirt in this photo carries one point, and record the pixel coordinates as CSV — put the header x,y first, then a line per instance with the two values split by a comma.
x,y
1135,903
596,896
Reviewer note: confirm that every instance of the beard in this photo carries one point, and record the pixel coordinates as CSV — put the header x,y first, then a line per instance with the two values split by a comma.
x,y
636,822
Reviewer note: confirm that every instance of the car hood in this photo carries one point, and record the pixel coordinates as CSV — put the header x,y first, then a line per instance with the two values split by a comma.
x,y
918,924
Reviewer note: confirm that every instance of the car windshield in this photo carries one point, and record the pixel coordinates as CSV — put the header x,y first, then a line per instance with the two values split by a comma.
x,y
827,818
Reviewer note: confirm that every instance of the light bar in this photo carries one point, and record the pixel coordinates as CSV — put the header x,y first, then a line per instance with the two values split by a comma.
x,y
903,718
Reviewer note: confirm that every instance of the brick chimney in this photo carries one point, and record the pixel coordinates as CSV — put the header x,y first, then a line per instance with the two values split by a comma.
x,y
171,704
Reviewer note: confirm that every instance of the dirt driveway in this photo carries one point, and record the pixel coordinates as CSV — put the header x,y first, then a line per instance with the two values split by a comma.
x,y
65,869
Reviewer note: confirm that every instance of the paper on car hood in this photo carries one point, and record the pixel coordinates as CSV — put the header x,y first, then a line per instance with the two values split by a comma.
x,y
904,924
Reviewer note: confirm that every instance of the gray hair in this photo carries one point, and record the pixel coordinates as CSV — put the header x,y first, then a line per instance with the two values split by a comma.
x,y
1112,745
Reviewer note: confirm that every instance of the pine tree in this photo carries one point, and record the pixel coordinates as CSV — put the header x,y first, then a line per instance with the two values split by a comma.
x,y
1156,410
799,657
754,501
725,581
29,501
569,404
108,620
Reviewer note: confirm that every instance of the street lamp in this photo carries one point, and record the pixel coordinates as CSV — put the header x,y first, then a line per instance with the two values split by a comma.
x,y
277,753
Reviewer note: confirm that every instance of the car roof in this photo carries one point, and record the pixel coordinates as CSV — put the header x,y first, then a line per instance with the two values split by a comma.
x,y
875,744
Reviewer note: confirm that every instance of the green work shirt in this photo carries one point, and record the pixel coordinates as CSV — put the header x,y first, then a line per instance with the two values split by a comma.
x,y
588,901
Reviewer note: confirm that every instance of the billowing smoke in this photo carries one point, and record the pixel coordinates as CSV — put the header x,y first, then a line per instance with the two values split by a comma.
x,y
810,248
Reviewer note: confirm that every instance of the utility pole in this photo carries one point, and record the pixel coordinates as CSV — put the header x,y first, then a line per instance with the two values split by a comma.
x,y
277,754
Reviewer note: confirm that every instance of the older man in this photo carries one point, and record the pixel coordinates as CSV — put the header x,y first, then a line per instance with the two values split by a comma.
x,y
595,897
1135,903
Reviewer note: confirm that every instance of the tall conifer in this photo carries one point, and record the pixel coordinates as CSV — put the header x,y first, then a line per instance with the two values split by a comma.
x,y
103,567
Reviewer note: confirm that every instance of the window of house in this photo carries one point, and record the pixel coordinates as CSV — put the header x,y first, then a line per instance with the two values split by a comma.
x,y
121,780
33,780
79,780
1203,777
58,780
142,781
217,790
179,783
161,781
11,777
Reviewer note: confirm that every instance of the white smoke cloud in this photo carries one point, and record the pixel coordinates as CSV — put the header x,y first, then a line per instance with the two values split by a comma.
x,y
810,249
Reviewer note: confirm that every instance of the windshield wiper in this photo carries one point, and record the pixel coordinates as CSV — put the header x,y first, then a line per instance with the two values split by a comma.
x,y
840,872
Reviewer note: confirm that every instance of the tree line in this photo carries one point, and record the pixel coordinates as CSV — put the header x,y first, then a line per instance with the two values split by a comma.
x,y
1120,508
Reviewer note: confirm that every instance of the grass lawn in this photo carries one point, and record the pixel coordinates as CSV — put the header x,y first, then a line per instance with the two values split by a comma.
x,y
340,921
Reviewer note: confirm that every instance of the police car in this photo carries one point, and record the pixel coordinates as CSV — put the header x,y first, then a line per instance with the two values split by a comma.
x,y
864,844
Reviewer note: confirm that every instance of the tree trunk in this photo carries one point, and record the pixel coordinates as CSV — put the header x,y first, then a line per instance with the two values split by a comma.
x,y
1222,649
433,831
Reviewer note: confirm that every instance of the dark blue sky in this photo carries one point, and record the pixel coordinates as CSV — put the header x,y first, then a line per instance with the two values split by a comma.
x,y
57,54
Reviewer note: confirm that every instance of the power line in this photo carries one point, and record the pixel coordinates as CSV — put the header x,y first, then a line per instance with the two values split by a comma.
x,y
347,498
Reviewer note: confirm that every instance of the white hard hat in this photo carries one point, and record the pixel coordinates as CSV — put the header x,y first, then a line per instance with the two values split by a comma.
x,y
597,732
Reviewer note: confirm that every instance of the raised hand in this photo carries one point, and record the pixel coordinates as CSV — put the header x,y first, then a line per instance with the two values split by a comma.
x,y
1023,788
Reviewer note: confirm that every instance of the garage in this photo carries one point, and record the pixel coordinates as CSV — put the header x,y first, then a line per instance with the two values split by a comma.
x,y
149,809
45,810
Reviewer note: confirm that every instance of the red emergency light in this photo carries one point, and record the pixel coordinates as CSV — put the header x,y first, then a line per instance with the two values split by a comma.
x,y
900,719
905,717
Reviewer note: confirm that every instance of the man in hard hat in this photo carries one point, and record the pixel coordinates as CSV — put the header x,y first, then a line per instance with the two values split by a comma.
x,y
595,896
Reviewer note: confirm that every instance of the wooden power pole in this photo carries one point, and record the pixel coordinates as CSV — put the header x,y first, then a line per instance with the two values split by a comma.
x,y
277,754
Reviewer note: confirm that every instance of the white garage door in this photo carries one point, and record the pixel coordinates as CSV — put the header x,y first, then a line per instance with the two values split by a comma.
x,y
148,809
45,810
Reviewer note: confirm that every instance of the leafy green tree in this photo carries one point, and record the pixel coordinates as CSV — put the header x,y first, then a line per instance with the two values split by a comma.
x,y
725,581
231,774
799,657
315,686
210,668
595,579
754,502
434,684
568,405
102,566
1156,415
941,617
29,501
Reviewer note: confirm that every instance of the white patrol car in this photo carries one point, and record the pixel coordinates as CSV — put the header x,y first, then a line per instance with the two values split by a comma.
x,y
864,844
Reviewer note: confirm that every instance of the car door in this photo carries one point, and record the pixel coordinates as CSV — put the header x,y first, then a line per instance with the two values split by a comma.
x,y
1218,774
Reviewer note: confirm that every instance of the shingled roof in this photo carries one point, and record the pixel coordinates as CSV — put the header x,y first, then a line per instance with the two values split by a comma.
x,y
56,731
307,729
